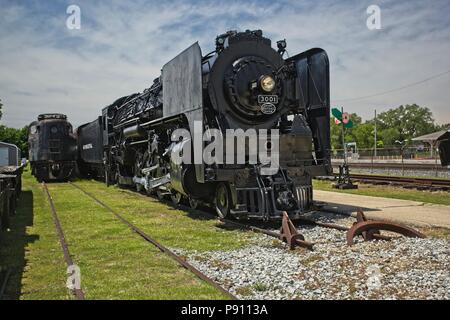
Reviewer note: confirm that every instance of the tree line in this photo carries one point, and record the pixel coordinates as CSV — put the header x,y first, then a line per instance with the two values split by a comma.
x,y
402,123
397,124
19,137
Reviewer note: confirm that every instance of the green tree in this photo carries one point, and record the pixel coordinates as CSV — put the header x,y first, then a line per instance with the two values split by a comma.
x,y
405,123
336,131
445,126
363,135
19,137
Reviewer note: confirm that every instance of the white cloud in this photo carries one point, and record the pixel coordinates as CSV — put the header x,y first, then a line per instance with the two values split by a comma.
x,y
122,46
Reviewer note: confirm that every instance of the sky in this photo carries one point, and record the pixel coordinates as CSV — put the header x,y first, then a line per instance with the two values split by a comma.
x,y
121,47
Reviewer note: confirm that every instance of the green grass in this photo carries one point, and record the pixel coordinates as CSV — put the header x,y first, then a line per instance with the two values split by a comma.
x,y
427,176
115,263
31,249
188,230
435,197
441,233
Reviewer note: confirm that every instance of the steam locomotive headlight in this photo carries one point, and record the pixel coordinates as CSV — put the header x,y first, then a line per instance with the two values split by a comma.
x,y
267,83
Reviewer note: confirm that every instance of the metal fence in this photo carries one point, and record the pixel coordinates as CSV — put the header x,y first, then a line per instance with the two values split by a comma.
x,y
391,153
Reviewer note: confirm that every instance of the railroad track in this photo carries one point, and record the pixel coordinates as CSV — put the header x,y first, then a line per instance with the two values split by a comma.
x,y
77,292
425,183
290,230
394,166
368,229
182,262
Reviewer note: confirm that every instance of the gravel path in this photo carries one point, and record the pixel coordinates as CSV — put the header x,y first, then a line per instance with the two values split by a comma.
x,y
404,268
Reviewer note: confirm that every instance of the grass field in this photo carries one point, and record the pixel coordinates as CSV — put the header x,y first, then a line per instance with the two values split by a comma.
x,y
115,263
31,249
436,197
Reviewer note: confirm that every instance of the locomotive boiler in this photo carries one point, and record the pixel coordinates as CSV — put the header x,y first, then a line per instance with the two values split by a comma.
x,y
52,148
244,86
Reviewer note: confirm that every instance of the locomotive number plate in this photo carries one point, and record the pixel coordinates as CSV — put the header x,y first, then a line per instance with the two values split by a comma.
x,y
267,99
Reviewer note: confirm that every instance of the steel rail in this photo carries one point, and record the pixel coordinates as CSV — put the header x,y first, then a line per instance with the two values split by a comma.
x,y
395,179
274,234
428,183
78,292
278,235
299,242
296,222
394,165
158,245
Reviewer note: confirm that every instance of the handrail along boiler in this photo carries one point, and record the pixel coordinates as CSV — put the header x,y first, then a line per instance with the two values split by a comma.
x,y
243,84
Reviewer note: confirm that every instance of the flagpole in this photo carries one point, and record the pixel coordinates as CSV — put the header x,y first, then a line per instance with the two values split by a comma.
x,y
375,131
343,136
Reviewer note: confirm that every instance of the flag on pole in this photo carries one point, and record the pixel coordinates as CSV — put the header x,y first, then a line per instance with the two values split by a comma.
x,y
342,117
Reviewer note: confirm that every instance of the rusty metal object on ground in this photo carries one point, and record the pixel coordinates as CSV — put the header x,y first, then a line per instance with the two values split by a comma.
x,y
290,235
370,229
367,235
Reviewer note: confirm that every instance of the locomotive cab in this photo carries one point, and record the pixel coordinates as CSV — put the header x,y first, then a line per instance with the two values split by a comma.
x,y
52,146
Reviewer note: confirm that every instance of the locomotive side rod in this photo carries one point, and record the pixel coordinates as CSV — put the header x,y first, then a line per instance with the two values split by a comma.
x,y
158,245
78,292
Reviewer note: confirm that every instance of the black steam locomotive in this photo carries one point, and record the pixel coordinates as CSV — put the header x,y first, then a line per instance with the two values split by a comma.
x,y
243,85
52,148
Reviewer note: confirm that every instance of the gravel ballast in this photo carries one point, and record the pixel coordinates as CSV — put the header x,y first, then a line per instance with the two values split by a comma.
x,y
405,268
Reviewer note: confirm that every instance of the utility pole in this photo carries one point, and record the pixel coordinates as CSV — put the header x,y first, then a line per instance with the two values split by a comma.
x,y
375,133
343,137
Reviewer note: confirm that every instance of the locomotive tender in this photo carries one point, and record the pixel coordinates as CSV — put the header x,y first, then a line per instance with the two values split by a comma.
x,y
10,182
243,84
52,148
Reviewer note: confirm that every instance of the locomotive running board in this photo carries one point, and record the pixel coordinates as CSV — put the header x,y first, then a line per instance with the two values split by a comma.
x,y
370,229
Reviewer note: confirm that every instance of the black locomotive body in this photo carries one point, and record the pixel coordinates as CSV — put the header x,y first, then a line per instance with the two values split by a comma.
x,y
90,149
52,148
11,170
243,86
